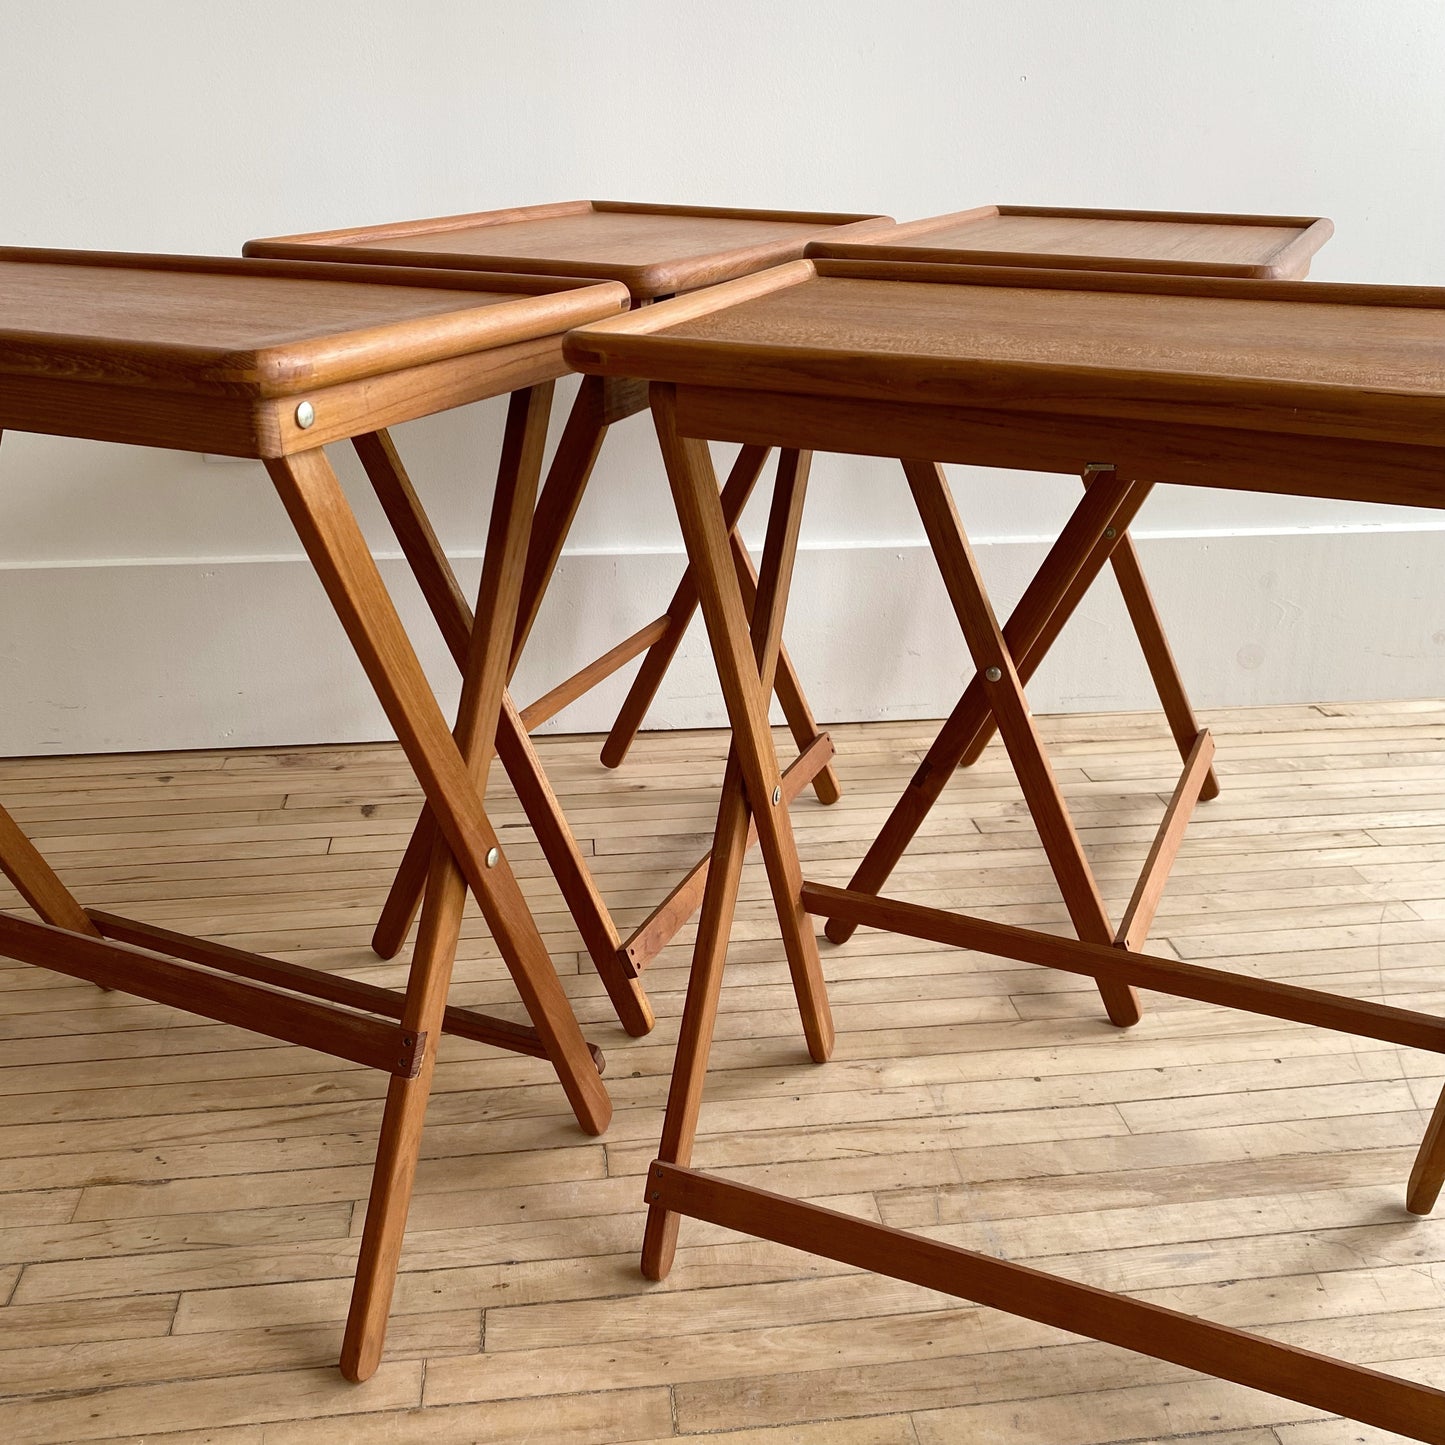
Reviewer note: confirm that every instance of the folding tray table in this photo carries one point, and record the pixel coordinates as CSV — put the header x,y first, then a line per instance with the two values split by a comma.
x,y
272,360
1304,389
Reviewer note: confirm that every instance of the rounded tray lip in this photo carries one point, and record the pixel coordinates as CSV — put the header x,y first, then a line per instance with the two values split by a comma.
x,y
539,308
1290,260
646,281
640,345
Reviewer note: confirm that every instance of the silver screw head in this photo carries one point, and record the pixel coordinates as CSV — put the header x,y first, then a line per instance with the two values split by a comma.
x,y
305,415
494,856
993,674
1110,532
777,796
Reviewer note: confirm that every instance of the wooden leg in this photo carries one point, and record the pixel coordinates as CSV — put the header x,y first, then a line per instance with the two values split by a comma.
x,y
1158,655
455,619
36,882
1073,562
739,487
327,528
567,479
736,491
794,702
699,1012
747,660
574,878
399,1144
1429,1171
993,659
1119,548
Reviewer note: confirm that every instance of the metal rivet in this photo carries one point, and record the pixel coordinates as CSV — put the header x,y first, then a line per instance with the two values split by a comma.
x,y
494,856
1110,532
305,415
777,796
993,674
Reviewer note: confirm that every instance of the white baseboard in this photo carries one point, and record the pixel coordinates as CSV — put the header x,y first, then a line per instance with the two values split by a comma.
x,y
134,657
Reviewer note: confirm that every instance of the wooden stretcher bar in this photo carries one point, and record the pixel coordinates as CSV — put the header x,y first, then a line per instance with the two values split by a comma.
x,y
1148,1329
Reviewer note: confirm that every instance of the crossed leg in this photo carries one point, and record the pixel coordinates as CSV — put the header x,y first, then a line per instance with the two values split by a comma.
x,y
467,854
456,620
747,657
1096,533
600,402
1004,695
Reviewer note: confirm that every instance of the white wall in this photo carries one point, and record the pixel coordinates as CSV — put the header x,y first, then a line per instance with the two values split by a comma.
x,y
140,592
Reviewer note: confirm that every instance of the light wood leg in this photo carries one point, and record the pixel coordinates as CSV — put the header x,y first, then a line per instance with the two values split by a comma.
x,y
993,659
1159,655
1118,547
36,882
574,878
327,528
736,491
567,479
1429,1171
747,661
741,482
796,709
399,1144
1075,559
455,619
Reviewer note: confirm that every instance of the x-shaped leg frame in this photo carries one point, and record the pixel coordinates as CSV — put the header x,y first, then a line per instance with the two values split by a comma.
x,y
752,786
455,619
394,1032
600,403
1097,533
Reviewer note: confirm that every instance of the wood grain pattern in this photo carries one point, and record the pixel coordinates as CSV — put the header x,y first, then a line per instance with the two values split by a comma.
x,y
263,329
1164,242
354,993
1183,454
37,882
1302,358
1368,1395
654,250
160,1169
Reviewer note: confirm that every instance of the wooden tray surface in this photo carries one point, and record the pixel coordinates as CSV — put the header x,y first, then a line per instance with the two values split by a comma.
x,y
1161,242
262,328
1366,361
654,250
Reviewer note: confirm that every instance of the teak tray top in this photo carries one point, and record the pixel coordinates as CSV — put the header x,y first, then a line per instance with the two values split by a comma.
x,y
654,250
209,354
1303,358
1166,242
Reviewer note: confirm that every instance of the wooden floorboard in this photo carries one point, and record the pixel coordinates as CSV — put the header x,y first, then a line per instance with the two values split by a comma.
x,y
181,1203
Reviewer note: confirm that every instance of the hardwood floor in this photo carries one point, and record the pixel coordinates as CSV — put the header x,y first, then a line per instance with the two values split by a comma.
x,y
180,1202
